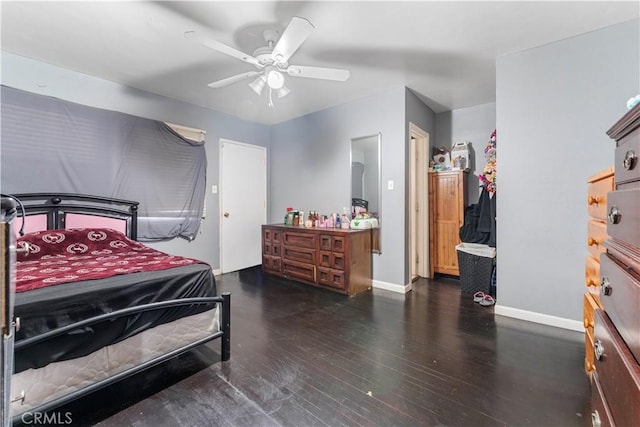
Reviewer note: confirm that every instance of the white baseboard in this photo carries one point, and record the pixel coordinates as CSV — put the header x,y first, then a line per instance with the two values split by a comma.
x,y
544,319
378,284
217,271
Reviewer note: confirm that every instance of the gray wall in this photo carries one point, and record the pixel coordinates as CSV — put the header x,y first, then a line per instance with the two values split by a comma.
x,y
310,168
473,124
554,105
45,79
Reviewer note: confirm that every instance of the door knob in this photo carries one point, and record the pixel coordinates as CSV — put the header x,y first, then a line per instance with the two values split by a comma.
x,y
226,214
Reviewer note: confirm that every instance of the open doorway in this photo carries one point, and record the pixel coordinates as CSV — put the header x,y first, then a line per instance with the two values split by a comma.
x,y
418,203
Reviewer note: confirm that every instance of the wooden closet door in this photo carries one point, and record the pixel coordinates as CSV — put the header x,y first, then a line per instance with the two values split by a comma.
x,y
446,193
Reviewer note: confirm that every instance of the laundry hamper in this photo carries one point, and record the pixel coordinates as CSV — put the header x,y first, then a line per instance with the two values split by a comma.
x,y
476,263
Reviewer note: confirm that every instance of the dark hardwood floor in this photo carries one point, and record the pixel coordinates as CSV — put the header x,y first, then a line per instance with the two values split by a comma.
x,y
302,356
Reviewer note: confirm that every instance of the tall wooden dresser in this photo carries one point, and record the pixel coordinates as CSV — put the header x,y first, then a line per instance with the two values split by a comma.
x,y
598,186
615,395
447,200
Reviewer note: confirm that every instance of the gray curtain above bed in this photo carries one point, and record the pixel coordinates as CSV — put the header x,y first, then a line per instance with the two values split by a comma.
x,y
51,145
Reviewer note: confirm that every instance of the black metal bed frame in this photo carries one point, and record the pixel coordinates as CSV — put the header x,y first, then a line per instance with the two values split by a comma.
x,y
55,206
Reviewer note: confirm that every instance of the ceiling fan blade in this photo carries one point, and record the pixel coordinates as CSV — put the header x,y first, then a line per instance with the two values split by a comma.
x,y
293,36
221,47
232,79
337,74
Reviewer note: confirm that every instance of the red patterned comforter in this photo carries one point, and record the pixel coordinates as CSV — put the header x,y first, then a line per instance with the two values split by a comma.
x,y
63,256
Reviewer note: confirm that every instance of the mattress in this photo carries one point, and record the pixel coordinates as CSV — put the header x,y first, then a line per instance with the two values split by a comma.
x,y
42,310
57,379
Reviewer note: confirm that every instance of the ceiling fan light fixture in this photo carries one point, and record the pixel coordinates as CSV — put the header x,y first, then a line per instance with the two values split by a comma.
x,y
283,91
275,79
258,84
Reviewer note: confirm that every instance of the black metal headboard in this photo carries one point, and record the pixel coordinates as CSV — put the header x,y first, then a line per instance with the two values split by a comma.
x,y
57,205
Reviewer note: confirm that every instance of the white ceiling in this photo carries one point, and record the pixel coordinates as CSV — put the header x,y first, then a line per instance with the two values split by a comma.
x,y
444,52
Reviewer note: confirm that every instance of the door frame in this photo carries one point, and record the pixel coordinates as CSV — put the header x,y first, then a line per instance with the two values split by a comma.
x,y
418,202
221,189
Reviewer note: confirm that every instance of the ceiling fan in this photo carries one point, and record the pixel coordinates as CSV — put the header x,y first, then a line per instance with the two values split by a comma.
x,y
272,60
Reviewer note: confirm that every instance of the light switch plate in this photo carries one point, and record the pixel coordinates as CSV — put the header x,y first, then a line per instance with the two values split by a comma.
x,y
214,189
390,184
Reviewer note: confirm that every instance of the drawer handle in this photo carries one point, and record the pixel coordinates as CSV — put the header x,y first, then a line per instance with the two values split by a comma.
x,y
598,350
592,242
629,160
595,419
593,200
605,287
614,215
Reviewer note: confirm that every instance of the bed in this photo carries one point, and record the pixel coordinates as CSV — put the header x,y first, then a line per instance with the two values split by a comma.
x,y
97,306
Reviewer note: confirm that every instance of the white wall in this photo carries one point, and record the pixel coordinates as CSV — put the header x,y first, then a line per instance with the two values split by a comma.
x,y
45,79
473,124
554,105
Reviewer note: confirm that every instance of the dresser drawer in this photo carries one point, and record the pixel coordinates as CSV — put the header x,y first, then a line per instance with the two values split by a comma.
x,y
294,253
303,240
598,187
271,248
270,263
592,278
600,412
332,243
299,270
333,260
271,235
627,158
623,218
620,297
618,373
331,277
589,309
596,234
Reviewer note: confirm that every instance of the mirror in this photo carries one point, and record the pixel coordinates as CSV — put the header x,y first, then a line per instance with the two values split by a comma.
x,y
365,180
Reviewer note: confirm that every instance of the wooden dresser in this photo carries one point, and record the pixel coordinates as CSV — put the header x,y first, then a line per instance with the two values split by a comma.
x,y
447,200
598,186
334,259
615,396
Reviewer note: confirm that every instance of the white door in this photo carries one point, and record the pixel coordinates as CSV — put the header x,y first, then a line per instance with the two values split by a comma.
x,y
243,191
